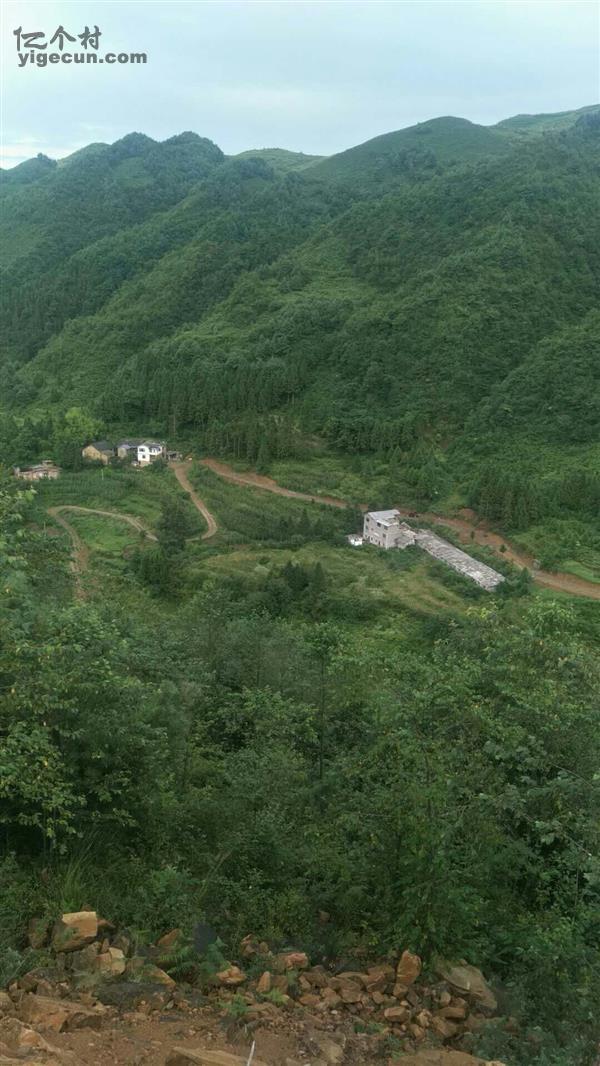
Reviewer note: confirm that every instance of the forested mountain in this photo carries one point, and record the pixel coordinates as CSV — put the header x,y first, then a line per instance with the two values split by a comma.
x,y
408,293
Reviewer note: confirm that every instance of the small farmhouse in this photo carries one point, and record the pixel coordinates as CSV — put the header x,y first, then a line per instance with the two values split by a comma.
x,y
149,451
127,449
99,450
45,469
385,529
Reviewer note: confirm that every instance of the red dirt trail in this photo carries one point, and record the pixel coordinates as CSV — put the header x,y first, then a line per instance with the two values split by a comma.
x,y
470,529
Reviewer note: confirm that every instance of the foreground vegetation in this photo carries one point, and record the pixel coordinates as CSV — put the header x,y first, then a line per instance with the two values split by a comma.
x,y
292,727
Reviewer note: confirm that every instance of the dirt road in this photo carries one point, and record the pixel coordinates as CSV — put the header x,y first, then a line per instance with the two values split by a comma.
x,y
180,472
258,481
470,530
81,555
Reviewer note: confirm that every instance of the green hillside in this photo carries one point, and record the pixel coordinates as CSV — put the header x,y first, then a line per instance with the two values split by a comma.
x,y
543,123
416,322
280,159
412,154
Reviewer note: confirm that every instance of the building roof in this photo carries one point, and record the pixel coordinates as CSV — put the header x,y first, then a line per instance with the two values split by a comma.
x,y
128,443
101,445
151,444
385,517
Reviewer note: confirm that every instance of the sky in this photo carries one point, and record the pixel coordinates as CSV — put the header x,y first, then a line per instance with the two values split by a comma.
x,y
315,77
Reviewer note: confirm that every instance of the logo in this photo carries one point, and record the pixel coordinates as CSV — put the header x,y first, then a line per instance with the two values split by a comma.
x,y
32,48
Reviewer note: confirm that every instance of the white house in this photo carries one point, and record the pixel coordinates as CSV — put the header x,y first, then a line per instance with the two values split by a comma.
x,y
149,451
385,529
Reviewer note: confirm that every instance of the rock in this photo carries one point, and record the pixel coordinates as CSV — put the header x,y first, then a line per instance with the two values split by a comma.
x,y
443,1027
167,942
330,1051
84,960
316,976
292,960
73,931
231,977
408,969
349,991
181,1056
309,999
264,983
38,930
396,1015
378,978
141,970
416,1031
59,1014
280,983
399,991
468,980
423,1019
123,942
455,1011
111,962
331,999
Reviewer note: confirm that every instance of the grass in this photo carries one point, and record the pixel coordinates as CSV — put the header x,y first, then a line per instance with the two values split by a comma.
x,y
253,515
130,491
108,536
370,577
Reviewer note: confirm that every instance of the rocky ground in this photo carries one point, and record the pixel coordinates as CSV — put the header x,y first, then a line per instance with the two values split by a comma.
x,y
95,1000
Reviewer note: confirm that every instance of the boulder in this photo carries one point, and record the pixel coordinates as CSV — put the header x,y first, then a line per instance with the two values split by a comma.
x,y
378,978
73,931
58,1014
291,960
316,976
264,983
443,1027
408,969
139,969
396,1015
231,977
84,960
309,999
331,999
122,941
468,980
112,962
349,989
166,943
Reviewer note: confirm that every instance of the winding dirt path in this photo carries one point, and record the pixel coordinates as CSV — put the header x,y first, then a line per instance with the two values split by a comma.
x,y
470,529
81,553
211,523
259,481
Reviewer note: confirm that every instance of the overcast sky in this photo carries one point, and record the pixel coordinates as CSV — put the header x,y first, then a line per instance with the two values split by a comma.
x,y
314,77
